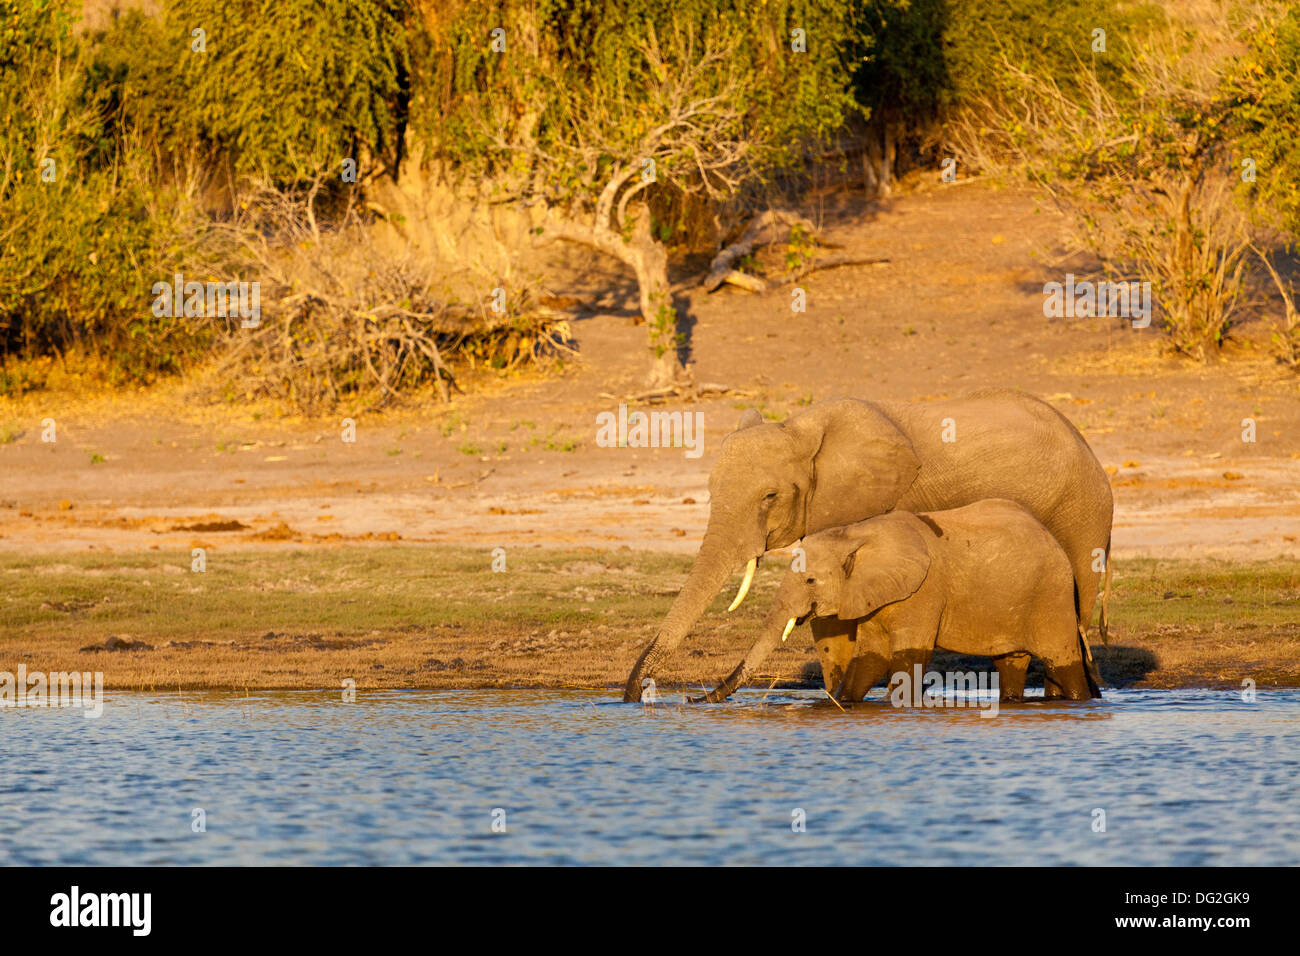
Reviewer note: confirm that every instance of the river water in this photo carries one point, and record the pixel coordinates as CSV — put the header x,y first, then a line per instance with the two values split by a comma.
x,y
1183,777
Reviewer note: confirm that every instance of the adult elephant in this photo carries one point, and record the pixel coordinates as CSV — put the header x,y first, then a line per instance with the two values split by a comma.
x,y
846,460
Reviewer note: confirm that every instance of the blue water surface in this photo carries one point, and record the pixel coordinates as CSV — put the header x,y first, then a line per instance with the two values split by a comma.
x,y
1183,777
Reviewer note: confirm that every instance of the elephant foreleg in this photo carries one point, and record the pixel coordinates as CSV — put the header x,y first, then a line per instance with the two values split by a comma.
x,y
1011,675
864,673
907,667
836,641
868,667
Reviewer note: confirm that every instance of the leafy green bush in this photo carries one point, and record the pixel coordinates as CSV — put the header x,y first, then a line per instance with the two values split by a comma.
x,y
142,97
291,89
1264,93
82,235
108,138
1050,40
144,128
1140,164
490,113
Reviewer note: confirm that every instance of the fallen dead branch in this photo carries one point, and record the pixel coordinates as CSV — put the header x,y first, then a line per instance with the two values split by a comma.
x,y
316,350
831,262
753,283
774,225
688,391
473,481
743,280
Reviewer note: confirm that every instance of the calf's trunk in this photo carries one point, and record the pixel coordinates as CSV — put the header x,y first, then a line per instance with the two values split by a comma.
x,y
775,630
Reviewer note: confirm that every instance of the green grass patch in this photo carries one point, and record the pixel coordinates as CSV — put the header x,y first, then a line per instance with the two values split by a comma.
x,y
1147,592
362,588
348,590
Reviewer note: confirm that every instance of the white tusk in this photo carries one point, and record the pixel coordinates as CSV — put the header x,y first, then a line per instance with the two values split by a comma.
x,y
789,626
744,585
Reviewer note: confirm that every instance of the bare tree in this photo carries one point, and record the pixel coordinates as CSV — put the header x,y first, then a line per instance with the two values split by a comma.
x,y
680,128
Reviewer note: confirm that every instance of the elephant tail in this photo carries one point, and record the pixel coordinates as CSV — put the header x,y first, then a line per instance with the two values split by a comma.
x,y
1089,666
1103,622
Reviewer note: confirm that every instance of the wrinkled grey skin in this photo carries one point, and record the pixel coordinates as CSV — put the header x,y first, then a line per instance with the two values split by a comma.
x,y
986,579
844,460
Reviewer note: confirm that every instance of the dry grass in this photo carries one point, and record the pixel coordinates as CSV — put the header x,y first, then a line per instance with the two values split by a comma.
x,y
1148,186
404,616
351,325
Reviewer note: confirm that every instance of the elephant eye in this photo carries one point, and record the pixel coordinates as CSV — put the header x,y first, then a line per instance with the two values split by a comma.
x,y
812,581
769,496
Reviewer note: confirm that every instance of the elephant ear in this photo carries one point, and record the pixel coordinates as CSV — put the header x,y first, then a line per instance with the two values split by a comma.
x,y
860,462
890,565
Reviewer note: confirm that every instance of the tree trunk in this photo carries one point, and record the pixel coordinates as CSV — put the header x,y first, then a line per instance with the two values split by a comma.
x,y
891,152
650,260
880,156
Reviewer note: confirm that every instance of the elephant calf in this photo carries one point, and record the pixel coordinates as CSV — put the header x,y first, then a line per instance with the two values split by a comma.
x,y
882,594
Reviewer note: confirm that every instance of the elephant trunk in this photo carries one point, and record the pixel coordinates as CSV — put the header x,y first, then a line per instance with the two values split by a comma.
x,y
776,628
717,559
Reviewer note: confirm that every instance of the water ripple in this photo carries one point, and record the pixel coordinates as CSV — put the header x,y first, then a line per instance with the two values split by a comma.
x,y
1184,777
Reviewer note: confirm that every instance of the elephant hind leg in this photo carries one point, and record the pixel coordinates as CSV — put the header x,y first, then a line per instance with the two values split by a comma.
x,y
1011,675
1068,681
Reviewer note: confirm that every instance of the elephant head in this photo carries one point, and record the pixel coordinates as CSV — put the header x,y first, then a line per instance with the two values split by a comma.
x,y
847,573
838,462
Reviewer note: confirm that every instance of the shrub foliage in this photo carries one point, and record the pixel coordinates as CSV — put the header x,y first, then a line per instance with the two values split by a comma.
x,y
131,151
